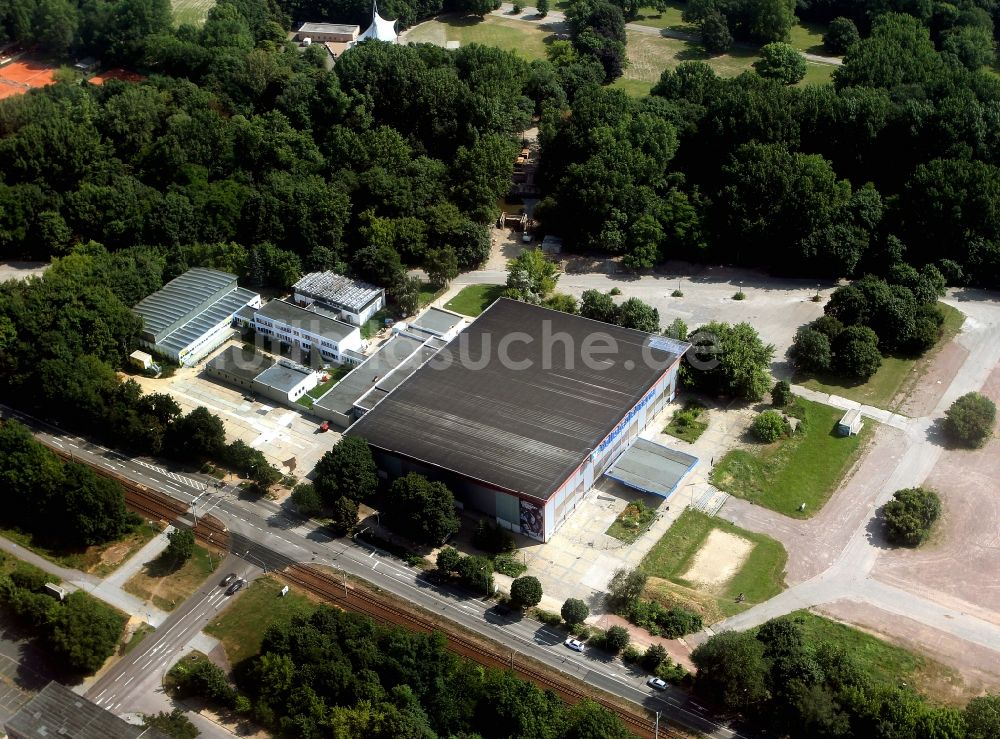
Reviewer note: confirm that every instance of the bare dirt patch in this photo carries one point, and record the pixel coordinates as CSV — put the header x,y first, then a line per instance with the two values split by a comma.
x,y
963,556
719,558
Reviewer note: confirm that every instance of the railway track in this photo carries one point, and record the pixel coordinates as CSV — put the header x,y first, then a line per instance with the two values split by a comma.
x,y
157,506
341,594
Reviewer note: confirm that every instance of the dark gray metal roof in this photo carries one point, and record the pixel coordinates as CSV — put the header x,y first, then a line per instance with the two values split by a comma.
x,y
522,430
437,320
241,361
651,467
292,315
56,711
361,379
182,297
284,376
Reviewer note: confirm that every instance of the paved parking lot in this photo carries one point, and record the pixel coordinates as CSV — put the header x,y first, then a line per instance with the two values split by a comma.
x,y
289,439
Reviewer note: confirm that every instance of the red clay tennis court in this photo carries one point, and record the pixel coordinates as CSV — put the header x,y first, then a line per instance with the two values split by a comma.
x,y
116,74
18,77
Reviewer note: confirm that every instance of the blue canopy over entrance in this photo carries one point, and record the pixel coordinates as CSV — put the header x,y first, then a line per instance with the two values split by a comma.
x,y
651,468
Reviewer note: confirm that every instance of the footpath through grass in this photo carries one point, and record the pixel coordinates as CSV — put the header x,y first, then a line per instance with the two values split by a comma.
x,y
760,578
888,387
474,299
167,587
100,560
241,627
803,468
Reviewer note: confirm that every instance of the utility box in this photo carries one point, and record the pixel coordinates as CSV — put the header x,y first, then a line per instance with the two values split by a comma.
x,y
851,423
56,591
284,591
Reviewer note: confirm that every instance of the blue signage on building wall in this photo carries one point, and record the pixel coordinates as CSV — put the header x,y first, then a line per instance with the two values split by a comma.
x,y
624,423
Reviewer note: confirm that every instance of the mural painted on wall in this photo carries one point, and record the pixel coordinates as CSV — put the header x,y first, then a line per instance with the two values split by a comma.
x,y
532,520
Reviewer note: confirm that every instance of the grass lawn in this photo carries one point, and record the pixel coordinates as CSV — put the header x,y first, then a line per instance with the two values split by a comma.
x,y
895,378
808,37
100,560
191,11
138,635
241,627
374,324
669,18
635,88
474,299
881,661
817,74
429,293
168,588
632,522
686,424
761,577
336,374
523,38
803,468
649,55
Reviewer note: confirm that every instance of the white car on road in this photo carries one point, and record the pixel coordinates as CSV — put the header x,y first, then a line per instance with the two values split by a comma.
x,y
575,644
656,683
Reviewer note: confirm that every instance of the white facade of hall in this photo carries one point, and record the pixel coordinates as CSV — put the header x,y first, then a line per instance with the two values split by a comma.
x,y
306,330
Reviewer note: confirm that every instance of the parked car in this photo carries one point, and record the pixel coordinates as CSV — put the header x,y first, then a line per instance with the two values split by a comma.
x,y
656,683
236,586
575,644
228,579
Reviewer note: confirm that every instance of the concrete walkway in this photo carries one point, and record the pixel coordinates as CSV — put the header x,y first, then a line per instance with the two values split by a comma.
x,y
107,590
869,411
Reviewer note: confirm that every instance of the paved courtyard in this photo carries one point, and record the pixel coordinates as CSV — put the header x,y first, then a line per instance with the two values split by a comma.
x,y
289,439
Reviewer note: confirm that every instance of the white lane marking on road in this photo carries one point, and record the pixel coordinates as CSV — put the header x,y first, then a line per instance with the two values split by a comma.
x,y
375,565
102,693
129,680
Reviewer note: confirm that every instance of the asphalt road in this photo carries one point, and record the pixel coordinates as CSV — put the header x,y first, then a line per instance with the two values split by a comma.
x,y
268,536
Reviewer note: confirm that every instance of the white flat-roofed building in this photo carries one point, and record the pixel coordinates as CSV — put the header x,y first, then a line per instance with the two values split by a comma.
x,y
192,315
306,330
352,300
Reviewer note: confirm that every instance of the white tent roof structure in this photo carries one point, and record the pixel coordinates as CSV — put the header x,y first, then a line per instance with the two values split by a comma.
x,y
380,29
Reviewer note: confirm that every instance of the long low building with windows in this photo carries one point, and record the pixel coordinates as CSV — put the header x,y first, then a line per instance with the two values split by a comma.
x,y
192,315
523,411
308,330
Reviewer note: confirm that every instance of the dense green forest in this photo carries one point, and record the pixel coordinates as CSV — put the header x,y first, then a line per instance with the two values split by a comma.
x,y
339,674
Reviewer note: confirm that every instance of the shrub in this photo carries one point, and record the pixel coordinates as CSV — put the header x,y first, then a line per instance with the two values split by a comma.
x,y
740,296
781,393
616,639
574,611
910,515
306,500
548,617
448,559
507,564
856,352
672,623
344,515
677,294
526,591
614,291
580,631
970,419
476,573
624,589
631,653
492,538
810,350
517,9
781,62
828,326
655,655
769,426
840,35
542,6
678,329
